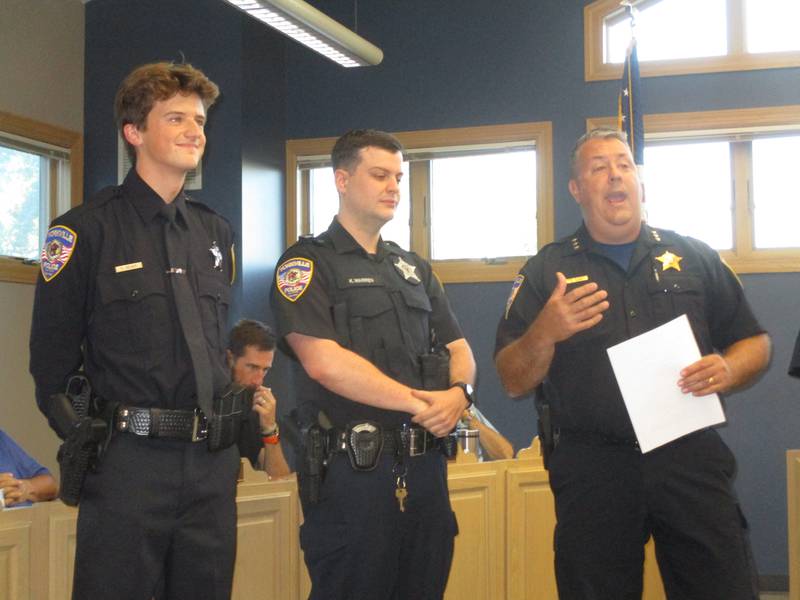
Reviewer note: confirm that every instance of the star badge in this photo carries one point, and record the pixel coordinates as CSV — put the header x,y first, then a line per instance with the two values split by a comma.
x,y
669,260
407,270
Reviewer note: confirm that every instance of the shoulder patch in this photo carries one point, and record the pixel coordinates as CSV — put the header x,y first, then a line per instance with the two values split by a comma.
x,y
514,290
59,244
293,277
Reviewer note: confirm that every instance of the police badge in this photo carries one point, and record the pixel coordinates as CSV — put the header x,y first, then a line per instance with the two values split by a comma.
x,y
216,255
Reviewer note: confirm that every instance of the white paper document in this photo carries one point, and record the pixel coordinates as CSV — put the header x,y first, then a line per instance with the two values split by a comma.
x,y
647,369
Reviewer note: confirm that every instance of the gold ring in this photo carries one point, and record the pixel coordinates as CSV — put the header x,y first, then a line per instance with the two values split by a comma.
x,y
711,380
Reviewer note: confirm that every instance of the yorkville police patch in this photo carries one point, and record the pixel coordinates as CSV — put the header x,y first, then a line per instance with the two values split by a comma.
x,y
57,250
514,289
293,277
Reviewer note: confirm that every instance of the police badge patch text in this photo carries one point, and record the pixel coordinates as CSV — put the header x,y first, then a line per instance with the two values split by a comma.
x,y
57,250
293,277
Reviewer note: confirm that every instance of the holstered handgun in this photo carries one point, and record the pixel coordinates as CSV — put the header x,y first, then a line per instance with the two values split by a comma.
x,y
311,446
85,437
544,421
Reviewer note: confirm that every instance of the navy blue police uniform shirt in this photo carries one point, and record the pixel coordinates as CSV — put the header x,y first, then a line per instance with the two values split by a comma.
x,y
382,307
669,275
104,300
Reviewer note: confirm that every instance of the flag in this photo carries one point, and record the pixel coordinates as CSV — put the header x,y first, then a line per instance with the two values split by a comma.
x,y
629,109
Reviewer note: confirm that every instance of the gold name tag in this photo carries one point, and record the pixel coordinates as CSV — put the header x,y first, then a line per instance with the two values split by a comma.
x,y
128,267
577,279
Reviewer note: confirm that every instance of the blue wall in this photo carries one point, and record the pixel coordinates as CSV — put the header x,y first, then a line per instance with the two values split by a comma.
x,y
448,64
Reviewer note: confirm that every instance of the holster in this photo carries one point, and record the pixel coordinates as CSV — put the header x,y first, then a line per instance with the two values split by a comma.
x,y
85,425
310,442
545,421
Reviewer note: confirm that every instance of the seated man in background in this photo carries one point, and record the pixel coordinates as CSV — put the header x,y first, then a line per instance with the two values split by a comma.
x,y
251,349
23,481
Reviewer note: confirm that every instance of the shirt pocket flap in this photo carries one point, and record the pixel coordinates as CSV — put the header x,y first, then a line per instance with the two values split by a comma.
x,y
131,286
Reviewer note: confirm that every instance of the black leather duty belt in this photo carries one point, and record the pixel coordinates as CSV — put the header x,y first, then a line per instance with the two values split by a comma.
x,y
417,440
184,425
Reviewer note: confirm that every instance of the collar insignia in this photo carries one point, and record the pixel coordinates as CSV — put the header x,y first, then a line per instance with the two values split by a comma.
x,y
407,270
216,254
669,260
59,244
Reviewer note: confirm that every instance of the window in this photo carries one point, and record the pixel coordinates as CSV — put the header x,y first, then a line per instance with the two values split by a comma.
x,y
720,176
714,35
476,202
40,173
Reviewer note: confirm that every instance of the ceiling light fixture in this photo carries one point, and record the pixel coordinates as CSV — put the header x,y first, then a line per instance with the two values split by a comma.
x,y
304,23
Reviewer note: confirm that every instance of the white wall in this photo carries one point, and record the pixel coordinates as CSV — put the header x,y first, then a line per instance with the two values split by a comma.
x,y
41,70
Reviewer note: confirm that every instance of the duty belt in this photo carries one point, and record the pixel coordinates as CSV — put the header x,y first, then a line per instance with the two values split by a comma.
x,y
185,425
417,441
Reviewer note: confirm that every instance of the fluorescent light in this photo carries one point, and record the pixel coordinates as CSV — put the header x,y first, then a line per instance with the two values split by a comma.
x,y
305,24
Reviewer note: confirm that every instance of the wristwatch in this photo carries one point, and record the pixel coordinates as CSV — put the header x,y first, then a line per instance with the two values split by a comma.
x,y
469,392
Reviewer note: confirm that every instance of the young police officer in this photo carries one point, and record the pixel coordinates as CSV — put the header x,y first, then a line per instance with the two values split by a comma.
x,y
134,289
612,280
360,315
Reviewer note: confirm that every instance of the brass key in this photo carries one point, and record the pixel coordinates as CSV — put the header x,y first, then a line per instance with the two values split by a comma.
x,y
400,493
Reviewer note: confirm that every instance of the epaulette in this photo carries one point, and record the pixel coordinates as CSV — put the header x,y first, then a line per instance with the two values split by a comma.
x,y
74,214
103,196
205,207
310,238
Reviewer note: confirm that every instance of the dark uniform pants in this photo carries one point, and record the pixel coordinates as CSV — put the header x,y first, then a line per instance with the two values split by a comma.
x,y
610,499
159,513
358,545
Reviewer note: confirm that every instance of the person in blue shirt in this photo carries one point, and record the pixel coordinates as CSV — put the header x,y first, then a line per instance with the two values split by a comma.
x,y
22,479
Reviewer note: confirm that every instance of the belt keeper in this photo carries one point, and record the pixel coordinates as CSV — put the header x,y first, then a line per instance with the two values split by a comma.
x,y
155,415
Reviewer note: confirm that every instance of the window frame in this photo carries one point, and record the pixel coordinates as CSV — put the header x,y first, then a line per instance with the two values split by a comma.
x,y
744,258
449,271
737,59
17,271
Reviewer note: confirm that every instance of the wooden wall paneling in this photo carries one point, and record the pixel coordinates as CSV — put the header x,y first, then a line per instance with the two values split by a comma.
x,y
530,573
793,520
15,554
61,527
477,496
266,545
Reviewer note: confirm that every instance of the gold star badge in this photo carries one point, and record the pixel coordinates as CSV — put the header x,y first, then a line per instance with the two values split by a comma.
x,y
669,260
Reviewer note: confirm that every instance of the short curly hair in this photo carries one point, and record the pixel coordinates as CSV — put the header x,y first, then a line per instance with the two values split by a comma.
x,y
154,82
